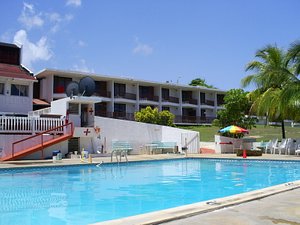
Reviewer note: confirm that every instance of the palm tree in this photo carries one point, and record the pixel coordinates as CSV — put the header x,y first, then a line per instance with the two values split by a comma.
x,y
294,56
291,93
273,72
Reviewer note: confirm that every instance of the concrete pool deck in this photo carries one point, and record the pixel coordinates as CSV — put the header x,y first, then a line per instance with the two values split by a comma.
x,y
274,205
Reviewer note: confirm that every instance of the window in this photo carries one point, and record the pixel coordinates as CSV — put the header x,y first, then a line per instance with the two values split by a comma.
x,y
202,97
120,107
165,93
60,84
186,95
146,92
120,89
100,109
73,108
1,89
19,90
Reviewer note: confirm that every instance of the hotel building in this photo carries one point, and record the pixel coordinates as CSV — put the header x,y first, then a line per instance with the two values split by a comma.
x,y
122,96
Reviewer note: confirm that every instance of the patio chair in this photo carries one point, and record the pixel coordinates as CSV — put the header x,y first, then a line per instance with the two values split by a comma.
x,y
270,145
280,147
291,147
297,151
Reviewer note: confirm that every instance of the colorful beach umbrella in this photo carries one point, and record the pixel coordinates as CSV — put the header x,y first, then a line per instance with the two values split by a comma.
x,y
233,130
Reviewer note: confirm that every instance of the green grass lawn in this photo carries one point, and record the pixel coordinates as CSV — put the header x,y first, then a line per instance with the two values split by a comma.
x,y
263,133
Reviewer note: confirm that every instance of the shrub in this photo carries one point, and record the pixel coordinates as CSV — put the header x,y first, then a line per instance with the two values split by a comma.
x,y
149,115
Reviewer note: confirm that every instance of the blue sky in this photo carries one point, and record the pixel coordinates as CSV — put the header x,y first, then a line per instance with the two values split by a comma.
x,y
157,40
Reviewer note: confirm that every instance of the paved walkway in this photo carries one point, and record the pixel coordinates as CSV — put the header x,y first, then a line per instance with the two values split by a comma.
x,y
283,208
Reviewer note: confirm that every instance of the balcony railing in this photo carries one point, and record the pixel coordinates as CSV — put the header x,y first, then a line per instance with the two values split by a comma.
x,y
126,96
149,98
190,101
220,103
208,102
193,119
106,94
178,119
123,116
116,115
170,99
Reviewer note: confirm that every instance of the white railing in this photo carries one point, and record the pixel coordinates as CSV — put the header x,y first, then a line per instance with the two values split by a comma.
x,y
40,112
12,124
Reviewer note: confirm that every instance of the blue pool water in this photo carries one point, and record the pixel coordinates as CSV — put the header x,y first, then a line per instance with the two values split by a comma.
x,y
88,194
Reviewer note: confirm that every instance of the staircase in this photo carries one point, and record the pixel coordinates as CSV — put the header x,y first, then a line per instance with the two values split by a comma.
x,y
40,141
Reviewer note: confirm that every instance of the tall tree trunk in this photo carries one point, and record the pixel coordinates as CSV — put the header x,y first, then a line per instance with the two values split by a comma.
x,y
282,129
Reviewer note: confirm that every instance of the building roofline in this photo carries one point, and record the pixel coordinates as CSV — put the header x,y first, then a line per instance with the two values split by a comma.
x,y
124,78
9,45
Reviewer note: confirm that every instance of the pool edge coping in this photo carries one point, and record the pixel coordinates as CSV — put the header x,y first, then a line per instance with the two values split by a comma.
x,y
181,212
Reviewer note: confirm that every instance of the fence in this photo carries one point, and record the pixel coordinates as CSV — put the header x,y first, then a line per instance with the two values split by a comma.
x,y
30,125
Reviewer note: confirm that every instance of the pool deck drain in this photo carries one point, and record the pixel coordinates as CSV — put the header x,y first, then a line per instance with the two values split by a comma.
x,y
278,204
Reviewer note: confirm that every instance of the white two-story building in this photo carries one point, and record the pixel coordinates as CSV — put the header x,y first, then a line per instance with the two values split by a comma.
x,y
121,97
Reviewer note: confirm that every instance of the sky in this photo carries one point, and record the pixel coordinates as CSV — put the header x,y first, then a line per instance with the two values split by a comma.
x,y
154,40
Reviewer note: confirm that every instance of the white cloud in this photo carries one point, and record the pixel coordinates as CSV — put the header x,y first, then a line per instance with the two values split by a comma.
x,y
57,20
82,66
141,48
75,3
29,18
32,52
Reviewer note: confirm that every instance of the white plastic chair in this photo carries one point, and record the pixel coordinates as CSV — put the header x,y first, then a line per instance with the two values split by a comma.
x,y
274,146
297,151
290,147
270,145
282,148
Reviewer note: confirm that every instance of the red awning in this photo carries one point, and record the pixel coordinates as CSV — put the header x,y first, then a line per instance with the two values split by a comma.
x,y
37,101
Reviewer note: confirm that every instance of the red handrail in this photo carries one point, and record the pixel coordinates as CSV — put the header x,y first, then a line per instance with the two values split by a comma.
x,y
41,134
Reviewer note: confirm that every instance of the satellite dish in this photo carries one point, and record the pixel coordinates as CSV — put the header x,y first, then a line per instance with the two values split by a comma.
x,y
72,89
87,86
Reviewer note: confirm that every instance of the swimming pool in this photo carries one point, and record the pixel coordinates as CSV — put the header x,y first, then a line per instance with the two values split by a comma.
x,y
88,194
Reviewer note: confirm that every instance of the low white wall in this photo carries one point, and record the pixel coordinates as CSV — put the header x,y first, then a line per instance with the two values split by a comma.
x,y
138,134
7,140
222,144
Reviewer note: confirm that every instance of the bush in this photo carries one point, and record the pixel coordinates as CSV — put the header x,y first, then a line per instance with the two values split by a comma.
x,y
149,115
215,123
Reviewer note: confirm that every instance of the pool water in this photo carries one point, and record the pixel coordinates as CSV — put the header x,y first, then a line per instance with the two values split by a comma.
x,y
88,194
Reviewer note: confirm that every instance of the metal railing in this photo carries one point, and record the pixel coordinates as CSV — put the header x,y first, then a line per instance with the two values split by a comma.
x,y
149,98
130,96
189,101
170,99
106,94
208,102
193,119
41,138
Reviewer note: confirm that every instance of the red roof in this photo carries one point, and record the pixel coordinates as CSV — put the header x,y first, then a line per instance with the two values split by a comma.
x,y
15,71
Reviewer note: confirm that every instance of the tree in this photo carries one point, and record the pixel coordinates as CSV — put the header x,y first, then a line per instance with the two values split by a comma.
x,y
200,82
291,93
273,73
149,115
236,109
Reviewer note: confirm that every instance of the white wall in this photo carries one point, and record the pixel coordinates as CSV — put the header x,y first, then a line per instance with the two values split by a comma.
x,y
46,88
59,106
16,104
138,134
7,140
